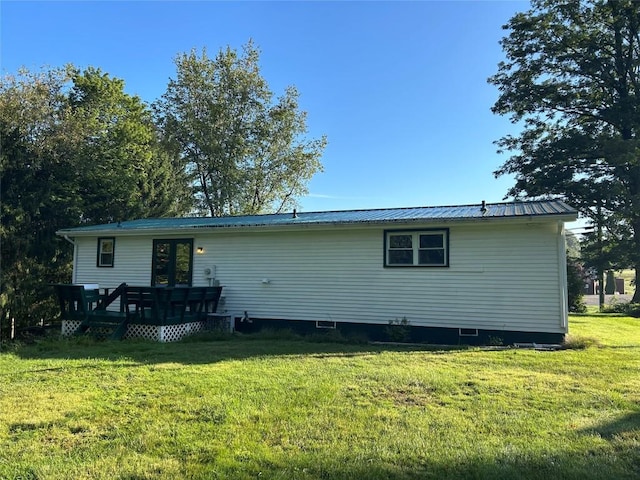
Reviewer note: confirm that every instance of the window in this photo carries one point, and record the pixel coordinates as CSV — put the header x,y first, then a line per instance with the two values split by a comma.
x,y
106,249
420,248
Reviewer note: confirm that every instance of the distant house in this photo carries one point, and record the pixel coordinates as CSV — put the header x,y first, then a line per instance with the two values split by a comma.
x,y
459,274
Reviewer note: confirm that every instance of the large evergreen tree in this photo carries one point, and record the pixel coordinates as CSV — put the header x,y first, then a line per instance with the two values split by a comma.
x,y
33,117
125,172
246,152
74,149
572,79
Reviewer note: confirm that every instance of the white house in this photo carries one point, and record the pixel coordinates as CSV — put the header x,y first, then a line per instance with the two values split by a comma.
x,y
453,274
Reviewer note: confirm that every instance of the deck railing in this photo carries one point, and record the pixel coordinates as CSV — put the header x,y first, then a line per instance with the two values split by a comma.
x,y
141,304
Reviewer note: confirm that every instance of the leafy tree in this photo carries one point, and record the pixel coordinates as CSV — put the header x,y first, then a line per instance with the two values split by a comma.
x,y
571,78
246,152
74,149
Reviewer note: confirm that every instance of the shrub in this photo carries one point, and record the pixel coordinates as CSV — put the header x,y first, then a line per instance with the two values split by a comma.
x,y
629,309
576,277
398,330
633,310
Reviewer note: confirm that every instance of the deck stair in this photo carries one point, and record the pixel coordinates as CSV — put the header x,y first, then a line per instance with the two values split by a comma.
x,y
78,303
113,327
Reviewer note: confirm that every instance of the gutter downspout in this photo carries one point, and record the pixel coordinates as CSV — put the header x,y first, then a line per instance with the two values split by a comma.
x,y
75,257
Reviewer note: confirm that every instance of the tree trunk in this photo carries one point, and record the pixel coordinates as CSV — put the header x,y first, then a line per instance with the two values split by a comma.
x,y
636,293
636,259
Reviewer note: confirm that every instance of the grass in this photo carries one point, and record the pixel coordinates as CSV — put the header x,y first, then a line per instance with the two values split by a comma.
x,y
247,408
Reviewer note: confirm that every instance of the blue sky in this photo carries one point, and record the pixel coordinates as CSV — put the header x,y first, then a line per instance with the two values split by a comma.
x,y
398,88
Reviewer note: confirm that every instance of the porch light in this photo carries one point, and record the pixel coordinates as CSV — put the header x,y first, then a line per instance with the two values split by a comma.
x,y
200,250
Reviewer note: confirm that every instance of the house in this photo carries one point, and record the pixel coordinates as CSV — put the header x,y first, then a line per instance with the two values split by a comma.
x,y
456,274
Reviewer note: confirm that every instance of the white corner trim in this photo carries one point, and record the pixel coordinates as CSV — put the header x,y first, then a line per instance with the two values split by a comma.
x,y
562,274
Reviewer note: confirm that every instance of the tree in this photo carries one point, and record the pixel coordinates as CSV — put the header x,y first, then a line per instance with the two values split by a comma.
x,y
246,152
573,245
74,149
32,151
572,79
612,252
125,172
576,278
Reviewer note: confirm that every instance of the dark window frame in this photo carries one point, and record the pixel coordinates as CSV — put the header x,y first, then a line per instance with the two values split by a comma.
x,y
415,248
171,274
99,262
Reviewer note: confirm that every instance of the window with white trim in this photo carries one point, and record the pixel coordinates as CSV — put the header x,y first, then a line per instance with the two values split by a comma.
x,y
106,250
417,248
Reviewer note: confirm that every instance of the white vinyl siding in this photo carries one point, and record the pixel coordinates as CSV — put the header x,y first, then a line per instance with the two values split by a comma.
x,y
132,262
500,275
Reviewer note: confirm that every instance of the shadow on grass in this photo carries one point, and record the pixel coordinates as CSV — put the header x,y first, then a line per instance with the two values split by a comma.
x,y
596,464
206,349
592,466
628,425
620,461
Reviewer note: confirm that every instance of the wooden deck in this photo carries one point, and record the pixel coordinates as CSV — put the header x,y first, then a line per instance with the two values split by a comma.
x,y
160,313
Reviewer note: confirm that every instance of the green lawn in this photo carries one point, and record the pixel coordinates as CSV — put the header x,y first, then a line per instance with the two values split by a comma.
x,y
288,409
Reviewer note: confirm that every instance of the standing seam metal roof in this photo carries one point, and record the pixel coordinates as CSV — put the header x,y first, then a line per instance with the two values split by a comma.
x,y
387,215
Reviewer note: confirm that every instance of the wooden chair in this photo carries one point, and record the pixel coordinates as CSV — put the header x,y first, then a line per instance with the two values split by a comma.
x,y
74,303
157,305
138,302
195,304
211,300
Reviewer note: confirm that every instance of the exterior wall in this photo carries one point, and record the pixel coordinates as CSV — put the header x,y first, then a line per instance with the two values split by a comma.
x,y
132,262
502,275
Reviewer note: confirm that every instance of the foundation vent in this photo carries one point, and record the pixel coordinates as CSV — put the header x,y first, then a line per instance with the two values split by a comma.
x,y
326,324
468,332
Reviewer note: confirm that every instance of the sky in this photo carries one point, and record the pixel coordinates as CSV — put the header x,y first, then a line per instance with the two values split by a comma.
x,y
399,88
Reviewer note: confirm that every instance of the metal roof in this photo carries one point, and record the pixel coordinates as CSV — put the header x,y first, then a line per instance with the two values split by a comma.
x,y
377,216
